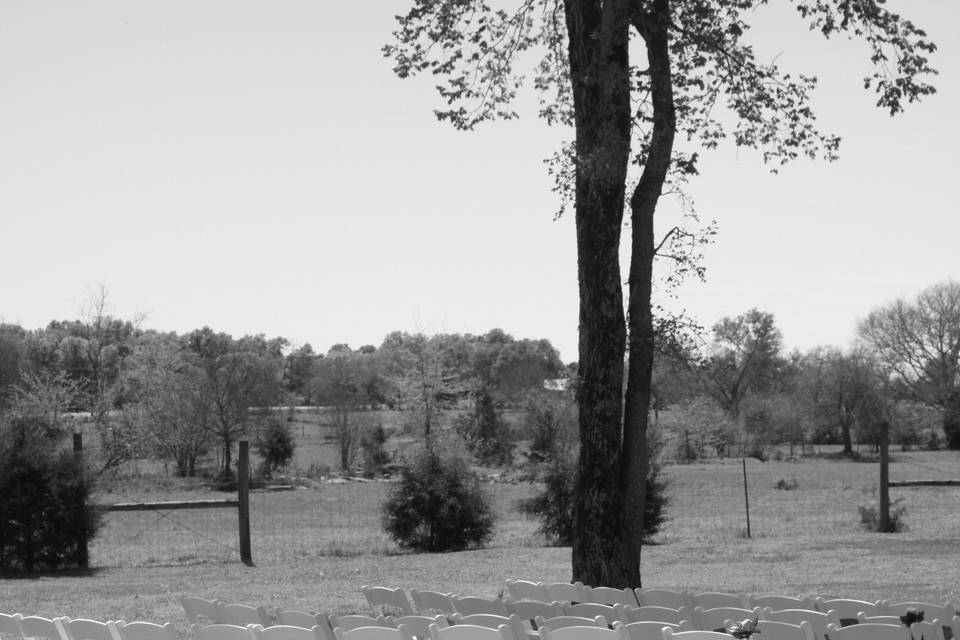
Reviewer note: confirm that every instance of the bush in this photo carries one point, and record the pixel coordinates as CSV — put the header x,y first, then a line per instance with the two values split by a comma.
x,y
438,505
485,431
375,456
554,506
787,485
275,445
45,508
870,518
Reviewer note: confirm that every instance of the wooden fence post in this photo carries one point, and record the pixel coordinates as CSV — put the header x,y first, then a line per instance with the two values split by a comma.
x,y
243,500
884,477
746,495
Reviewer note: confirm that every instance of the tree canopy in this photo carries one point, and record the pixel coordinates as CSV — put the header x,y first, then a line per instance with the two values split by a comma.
x,y
644,86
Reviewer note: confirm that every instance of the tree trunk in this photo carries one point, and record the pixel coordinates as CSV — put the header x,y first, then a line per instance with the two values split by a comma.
x,y
599,70
643,204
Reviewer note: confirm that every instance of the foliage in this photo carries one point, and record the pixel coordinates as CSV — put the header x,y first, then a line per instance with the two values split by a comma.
x,y
438,505
554,505
870,517
275,444
45,506
485,431
698,426
919,342
375,455
550,420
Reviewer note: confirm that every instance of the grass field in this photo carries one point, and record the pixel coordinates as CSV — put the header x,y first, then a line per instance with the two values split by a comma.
x,y
315,547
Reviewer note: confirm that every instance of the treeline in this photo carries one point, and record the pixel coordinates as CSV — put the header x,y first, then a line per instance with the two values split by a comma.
x,y
739,392
183,398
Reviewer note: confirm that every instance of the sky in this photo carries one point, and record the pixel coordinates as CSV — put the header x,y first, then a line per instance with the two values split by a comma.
x,y
256,167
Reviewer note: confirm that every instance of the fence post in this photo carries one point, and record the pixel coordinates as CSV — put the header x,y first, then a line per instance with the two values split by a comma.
x,y
243,502
83,551
884,477
746,496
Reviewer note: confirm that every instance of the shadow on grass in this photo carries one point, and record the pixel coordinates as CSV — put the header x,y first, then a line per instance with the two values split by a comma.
x,y
73,572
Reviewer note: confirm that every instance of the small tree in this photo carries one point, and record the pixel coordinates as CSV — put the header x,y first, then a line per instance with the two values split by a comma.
x,y
486,432
275,444
375,455
438,505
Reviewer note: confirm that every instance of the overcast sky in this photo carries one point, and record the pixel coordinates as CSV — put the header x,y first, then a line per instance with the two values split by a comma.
x,y
257,168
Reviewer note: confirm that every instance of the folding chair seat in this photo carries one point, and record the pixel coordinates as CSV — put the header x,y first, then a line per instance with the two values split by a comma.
x,y
373,633
419,626
530,610
527,590
663,598
142,630
201,610
716,619
470,632
818,620
848,608
86,629
244,614
559,622
581,633
571,592
648,630
657,614
384,600
224,631
594,609
869,631
716,599
611,596
470,605
777,603
432,602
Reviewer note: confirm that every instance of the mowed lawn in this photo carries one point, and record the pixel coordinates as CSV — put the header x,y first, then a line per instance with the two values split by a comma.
x,y
314,547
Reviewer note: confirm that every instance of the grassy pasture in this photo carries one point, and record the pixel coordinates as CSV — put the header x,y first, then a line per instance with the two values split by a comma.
x,y
316,546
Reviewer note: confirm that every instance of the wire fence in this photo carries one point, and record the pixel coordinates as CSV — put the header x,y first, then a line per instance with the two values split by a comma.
x,y
706,501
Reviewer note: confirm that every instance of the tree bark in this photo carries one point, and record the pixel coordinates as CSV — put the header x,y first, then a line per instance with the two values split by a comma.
x,y
643,204
599,66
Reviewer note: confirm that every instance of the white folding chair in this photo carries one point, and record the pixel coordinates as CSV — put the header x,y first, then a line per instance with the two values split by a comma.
x,y
716,599
471,605
594,609
560,622
697,634
419,626
716,619
244,614
581,633
848,608
564,591
470,632
647,630
818,620
86,629
657,614
400,632
40,628
224,631
785,630
776,602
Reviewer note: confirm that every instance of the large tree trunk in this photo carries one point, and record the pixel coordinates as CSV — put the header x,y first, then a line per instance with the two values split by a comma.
x,y
643,204
599,70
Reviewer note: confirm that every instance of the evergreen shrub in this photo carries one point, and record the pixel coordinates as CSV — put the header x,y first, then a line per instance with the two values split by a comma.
x,y
439,504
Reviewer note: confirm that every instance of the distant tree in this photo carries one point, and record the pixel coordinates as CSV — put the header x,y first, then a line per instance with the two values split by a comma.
x,y
920,343
274,443
745,356
486,432
237,375
298,368
550,419
172,402
340,382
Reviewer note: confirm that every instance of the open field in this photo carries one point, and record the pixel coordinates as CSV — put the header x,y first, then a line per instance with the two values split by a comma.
x,y
315,547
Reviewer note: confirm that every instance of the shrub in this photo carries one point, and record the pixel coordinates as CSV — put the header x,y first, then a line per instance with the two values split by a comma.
x,y
870,518
787,485
554,506
485,431
45,508
375,456
438,505
275,445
